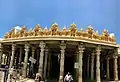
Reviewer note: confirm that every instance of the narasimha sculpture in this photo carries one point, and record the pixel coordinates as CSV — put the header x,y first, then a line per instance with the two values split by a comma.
x,y
54,30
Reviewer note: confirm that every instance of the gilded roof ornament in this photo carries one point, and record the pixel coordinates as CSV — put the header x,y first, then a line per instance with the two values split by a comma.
x,y
89,33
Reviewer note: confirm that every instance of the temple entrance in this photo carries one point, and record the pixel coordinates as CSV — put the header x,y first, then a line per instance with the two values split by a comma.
x,y
69,65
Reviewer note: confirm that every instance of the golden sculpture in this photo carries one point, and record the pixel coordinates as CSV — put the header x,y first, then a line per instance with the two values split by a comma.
x,y
64,32
54,31
105,35
96,35
23,32
90,32
46,31
30,32
38,30
73,29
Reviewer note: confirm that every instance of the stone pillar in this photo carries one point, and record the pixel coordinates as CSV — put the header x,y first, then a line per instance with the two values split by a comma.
x,y
62,56
42,46
92,65
20,58
108,72
1,52
33,54
27,46
115,68
45,64
81,50
12,57
98,50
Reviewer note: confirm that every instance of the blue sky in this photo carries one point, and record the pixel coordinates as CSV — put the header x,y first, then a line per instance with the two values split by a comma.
x,y
101,14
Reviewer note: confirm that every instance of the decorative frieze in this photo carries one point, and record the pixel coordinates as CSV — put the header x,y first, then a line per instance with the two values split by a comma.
x,y
89,33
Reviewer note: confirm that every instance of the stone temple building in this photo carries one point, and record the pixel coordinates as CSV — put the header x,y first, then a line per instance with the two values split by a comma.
x,y
86,54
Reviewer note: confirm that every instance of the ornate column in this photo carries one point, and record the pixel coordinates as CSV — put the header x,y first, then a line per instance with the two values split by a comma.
x,y
108,73
1,52
20,58
98,50
92,65
115,66
62,56
27,46
42,46
45,64
12,57
33,54
80,61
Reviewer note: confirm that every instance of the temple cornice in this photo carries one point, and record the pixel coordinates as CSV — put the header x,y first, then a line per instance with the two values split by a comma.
x,y
54,33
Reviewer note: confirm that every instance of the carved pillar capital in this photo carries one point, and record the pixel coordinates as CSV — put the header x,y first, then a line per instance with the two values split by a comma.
x,y
98,50
13,46
27,46
42,45
62,45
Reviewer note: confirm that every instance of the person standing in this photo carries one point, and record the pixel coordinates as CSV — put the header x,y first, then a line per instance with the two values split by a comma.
x,y
6,73
68,78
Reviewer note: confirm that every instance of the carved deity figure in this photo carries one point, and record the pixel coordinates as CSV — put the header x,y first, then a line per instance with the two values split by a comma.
x,y
30,32
73,29
83,33
23,32
105,35
45,31
37,30
90,32
96,35
64,32
54,30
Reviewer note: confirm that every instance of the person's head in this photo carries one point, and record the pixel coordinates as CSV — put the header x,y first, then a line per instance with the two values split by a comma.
x,y
68,73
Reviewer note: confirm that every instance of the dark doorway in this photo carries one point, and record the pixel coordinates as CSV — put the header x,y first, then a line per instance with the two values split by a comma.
x,y
69,64
54,73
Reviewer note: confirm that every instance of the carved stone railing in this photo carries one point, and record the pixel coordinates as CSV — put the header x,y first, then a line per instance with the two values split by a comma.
x,y
54,31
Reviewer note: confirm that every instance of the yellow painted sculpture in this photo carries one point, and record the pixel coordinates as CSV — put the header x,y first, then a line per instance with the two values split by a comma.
x,y
54,31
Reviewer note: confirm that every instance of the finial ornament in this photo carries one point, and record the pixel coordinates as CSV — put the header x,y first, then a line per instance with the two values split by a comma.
x,y
54,30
